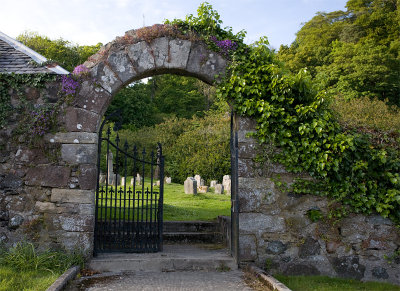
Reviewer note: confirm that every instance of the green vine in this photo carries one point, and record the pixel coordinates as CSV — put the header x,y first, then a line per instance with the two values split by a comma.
x,y
17,83
295,117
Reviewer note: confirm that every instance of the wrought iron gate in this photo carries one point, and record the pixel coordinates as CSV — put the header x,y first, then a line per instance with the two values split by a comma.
x,y
128,216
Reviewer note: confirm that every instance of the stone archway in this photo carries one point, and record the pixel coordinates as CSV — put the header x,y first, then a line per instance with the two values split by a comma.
x,y
116,65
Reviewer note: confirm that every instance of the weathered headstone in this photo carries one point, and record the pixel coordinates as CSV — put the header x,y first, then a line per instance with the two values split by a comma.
x,y
102,178
110,172
132,181
168,180
213,183
226,181
219,189
190,186
138,179
202,189
122,182
198,180
158,183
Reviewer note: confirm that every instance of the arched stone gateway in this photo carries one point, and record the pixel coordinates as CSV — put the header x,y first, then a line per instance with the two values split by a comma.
x,y
47,194
116,65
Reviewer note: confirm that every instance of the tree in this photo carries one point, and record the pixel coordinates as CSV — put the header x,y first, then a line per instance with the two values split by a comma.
x,y
67,54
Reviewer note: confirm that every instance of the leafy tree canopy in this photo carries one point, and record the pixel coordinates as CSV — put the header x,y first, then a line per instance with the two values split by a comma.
x,y
352,53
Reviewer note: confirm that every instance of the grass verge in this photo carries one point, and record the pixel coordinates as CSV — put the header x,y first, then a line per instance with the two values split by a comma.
x,y
24,268
323,283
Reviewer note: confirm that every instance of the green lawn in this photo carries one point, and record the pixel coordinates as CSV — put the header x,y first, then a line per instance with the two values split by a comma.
x,y
35,280
178,206
323,283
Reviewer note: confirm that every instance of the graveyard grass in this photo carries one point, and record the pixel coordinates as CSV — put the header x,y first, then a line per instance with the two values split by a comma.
x,y
179,206
324,283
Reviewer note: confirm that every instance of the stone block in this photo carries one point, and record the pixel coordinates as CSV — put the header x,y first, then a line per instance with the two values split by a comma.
x,y
348,267
255,193
88,177
247,150
190,186
258,223
244,136
245,123
76,240
15,222
11,182
79,153
106,77
49,176
81,120
121,64
178,54
72,196
380,273
73,137
246,168
141,56
75,222
309,248
159,47
247,248
213,183
28,156
45,207
276,247
205,64
93,98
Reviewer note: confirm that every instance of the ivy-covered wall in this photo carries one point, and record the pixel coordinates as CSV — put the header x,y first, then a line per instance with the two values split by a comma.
x,y
291,233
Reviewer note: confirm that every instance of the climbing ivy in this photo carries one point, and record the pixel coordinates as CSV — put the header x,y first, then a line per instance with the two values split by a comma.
x,y
295,117
17,83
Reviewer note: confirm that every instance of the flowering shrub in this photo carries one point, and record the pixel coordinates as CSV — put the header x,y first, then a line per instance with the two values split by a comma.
x,y
42,120
80,70
225,46
69,85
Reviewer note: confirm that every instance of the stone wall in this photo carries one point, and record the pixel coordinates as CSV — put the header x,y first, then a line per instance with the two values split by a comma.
x,y
45,197
277,234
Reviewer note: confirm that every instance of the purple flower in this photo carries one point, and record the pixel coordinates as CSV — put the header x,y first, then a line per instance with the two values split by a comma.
x,y
69,84
225,46
80,70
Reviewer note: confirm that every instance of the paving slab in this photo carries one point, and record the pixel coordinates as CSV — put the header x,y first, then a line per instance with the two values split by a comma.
x,y
175,257
166,281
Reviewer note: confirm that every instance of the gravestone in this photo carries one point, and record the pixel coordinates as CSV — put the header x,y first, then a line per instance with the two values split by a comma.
x,y
219,189
213,183
202,189
110,172
190,186
168,180
102,178
226,181
132,181
198,180
138,179
122,182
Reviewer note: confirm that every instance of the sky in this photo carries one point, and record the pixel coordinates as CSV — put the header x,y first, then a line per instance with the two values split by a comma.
x,y
87,22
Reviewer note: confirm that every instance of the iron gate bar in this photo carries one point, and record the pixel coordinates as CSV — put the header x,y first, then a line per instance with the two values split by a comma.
x,y
138,226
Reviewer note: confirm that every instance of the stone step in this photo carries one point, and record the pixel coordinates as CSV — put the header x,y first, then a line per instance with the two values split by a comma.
x,y
192,237
190,226
172,258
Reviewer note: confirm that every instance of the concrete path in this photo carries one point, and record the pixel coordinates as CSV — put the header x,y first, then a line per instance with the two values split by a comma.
x,y
178,267
168,281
